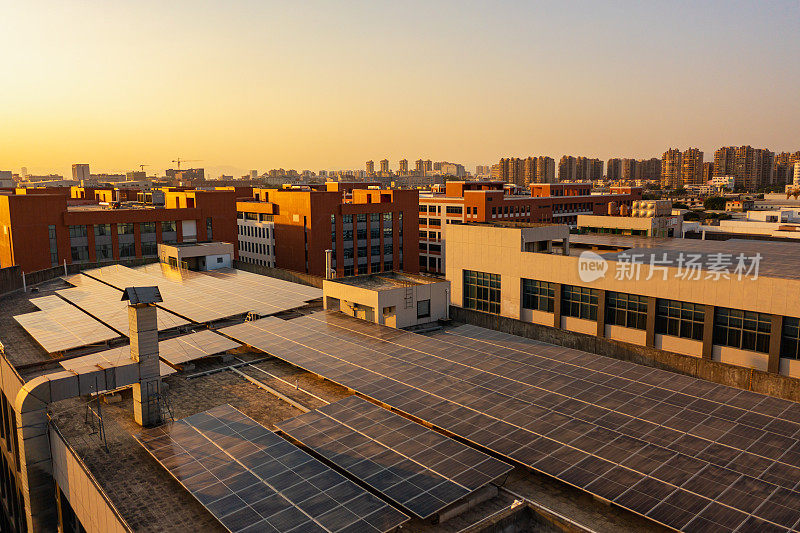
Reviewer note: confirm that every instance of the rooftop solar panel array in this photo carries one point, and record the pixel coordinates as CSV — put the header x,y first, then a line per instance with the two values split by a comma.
x,y
416,467
684,452
60,326
104,303
252,480
206,296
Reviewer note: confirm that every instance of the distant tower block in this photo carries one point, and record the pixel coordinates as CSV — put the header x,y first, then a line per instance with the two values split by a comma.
x,y
144,350
384,166
370,167
404,165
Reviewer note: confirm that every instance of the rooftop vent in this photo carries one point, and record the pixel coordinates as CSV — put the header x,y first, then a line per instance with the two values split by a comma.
x,y
142,295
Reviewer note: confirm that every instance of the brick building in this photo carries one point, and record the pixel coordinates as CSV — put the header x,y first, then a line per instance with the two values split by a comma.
x,y
369,230
39,231
488,201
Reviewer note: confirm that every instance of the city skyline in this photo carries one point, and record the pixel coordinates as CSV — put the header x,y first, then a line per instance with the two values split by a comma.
x,y
245,86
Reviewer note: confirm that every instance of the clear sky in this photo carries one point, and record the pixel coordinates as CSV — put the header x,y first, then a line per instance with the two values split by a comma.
x,y
327,85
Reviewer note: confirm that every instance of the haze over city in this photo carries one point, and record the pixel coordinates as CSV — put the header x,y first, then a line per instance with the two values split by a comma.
x,y
312,85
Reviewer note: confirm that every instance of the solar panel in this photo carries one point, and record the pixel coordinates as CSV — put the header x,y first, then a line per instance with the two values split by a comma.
x,y
108,359
60,326
416,467
252,480
180,350
206,296
103,303
594,422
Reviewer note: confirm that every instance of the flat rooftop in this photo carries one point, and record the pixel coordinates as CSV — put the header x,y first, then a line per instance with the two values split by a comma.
x,y
777,259
150,499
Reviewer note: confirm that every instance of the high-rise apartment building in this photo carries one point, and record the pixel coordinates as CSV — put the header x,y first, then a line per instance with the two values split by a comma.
x,y
428,165
403,165
370,166
691,167
650,169
419,166
784,167
384,166
587,169
752,167
567,168
671,164
708,171
80,171
545,169
614,168
629,169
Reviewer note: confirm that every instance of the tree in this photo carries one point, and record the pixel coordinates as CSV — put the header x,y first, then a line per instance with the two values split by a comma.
x,y
714,203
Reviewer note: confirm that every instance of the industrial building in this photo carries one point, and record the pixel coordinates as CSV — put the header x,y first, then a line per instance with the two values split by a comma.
x,y
701,299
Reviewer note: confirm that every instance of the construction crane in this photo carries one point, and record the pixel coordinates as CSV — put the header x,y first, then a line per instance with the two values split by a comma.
x,y
179,161
141,166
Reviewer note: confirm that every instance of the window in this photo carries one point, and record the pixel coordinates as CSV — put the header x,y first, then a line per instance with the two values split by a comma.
x,y
219,260
209,229
423,208
361,234
437,248
80,253
435,222
387,248
361,217
149,248
376,249
579,302
77,232
423,235
102,230
127,250
51,232
424,309
375,267
148,227
125,228
103,252
745,330
362,251
388,266
628,310
362,269
538,295
680,319
453,210
482,291
790,338
374,217
423,222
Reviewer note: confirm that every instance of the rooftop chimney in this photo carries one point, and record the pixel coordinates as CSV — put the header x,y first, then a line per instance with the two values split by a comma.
x,y
143,334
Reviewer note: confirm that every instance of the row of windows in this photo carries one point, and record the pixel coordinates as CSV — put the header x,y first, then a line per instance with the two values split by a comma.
x,y
254,247
123,228
254,231
350,270
254,261
105,252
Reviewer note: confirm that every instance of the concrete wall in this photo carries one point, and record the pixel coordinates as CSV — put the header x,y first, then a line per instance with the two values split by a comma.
x,y
716,371
280,273
10,279
91,505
